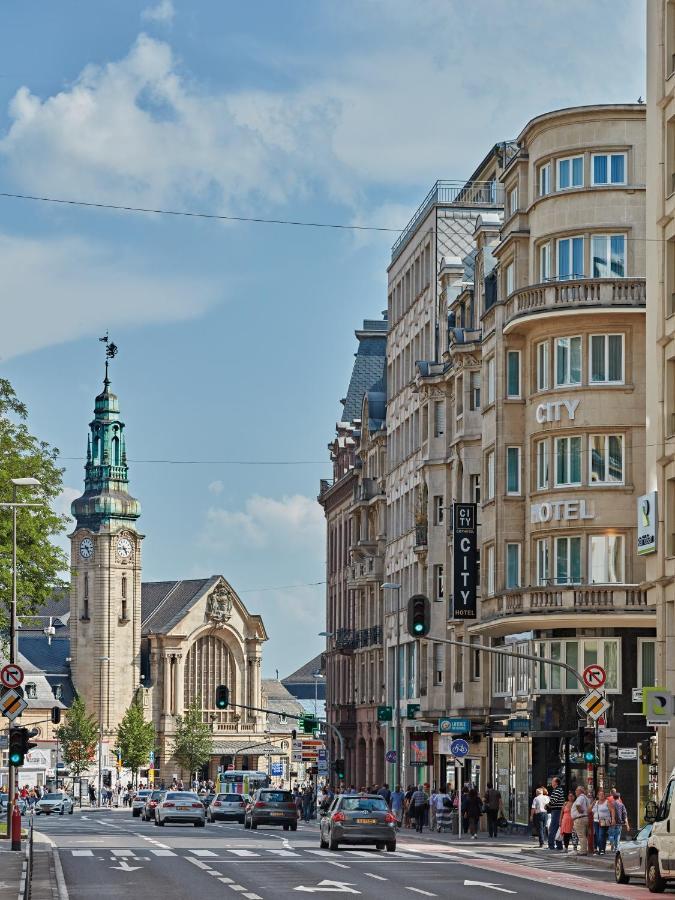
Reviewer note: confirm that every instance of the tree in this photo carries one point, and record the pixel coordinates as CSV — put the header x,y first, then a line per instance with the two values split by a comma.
x,y
78,736
135,738
39,561
193,743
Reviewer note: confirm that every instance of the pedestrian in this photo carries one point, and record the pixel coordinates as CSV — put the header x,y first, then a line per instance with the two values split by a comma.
x,y
307,798
474,809
538,815
419,802
619,820
555,807
492,801
407,811
386,793
92,794
397,799
443,810
602,819
566,824
432,809
579,813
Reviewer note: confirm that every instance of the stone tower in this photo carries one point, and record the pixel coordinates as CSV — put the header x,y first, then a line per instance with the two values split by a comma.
x,y
105,553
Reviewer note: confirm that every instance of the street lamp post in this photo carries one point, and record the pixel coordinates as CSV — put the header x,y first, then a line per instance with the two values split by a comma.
x,y
393,586
316,676
101,660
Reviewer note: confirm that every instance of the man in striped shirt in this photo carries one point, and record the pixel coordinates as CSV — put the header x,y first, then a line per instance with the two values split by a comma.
x,y
555,806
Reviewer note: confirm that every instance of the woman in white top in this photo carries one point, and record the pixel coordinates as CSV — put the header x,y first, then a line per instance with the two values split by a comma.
x,y
602,819
538,814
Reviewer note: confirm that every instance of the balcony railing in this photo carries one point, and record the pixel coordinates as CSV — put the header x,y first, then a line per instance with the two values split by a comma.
x,y
557,600
366,489
578,294
325,484
366,569
486,194
345,639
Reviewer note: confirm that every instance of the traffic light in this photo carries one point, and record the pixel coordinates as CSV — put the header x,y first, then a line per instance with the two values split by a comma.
x,y
294,734
646,752
56,715
222,696
586,743
419,616
340,769
20,744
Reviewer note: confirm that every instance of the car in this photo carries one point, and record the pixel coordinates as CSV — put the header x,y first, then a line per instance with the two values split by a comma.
x,y
56,802
20,802
151,801
180,806
629,859
228,806
358,819
138,802
207,799
271,807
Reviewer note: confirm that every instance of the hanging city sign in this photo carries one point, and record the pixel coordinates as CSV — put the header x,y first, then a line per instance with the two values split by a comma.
x,y
646,530
561,511
552,411
464,561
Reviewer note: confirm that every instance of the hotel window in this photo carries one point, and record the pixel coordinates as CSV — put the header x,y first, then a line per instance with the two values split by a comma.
x,y
439,418
544,179
490,570
439,582
608,255
542,563
475,488
606,459
646,662
513,470
513,373
491,380
510,279
606,559
542,366
578,654
501,671
608,168
490,475
544,262
570,172
567,461
439,663
567,361
513,200
542,465
474,390
570,258
568,560
439,509
606,363
512,566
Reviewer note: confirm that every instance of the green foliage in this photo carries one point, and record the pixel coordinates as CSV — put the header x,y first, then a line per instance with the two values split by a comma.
x,y
39,561
193,743
78,737
135,738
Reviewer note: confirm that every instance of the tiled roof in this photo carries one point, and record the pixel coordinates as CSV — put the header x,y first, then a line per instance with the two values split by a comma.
x,y
276,696
163,601
304,675
369,367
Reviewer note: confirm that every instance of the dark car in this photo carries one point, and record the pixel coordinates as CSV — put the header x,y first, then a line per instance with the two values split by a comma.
x,y
358,819
227,807
148,811
207,799
270,807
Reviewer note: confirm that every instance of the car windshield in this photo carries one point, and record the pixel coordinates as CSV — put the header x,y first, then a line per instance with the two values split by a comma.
x,y
364,804
143,793
181,796
644,833
53,797
276,796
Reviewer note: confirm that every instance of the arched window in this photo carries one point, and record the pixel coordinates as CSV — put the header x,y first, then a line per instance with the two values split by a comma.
x,y
115,451
86,585
209,663
124,598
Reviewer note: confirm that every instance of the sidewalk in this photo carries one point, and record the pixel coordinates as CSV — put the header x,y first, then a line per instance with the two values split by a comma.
x,y
44,883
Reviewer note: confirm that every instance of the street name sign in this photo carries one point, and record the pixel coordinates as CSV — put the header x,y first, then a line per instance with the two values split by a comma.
x,y
12,704
11,675
515,725
594,676
593,705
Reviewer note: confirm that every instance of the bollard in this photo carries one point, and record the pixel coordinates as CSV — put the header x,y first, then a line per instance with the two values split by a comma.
x,y
16,828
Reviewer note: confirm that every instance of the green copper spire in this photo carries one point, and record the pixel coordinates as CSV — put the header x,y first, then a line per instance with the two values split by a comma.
x,y
106,497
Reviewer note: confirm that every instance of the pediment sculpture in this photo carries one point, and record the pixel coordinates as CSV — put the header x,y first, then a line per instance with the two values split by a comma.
x,y
219,604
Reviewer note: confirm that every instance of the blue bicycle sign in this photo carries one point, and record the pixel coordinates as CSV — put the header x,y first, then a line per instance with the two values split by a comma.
x,y
459,748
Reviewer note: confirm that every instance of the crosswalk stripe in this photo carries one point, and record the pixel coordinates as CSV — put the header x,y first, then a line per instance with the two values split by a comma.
x,y
321,852
163,852
203,852
282,852
242,852
122,853
82,852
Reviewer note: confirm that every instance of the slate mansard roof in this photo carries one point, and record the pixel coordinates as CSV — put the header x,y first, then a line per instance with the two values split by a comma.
x,y
369,369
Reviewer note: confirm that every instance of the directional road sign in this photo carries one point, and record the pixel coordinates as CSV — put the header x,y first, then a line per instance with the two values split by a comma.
x,y
12,704
594,676
11,675
459,748
593,704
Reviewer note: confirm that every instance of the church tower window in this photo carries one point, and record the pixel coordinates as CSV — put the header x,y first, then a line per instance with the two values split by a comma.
x,y
124,598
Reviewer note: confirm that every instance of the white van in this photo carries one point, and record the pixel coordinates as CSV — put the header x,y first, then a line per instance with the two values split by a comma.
x,y
660,860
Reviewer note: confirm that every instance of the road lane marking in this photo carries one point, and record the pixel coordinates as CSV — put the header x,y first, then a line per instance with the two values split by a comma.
x,y
372,875
236,852
226,880
252,897
163,851
202,852
197,862
82,852
122,852
60,880
283,853
339,865
237,887
420,891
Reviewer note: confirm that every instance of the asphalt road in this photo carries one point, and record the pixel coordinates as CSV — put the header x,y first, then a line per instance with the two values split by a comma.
x,y
108,853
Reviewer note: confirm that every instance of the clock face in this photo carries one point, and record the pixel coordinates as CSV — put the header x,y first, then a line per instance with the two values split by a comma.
x,y
86,548
124,548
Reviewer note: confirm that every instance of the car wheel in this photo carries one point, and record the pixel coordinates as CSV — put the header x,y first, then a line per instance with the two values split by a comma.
x,y
294,826
391,847
619,871
333,844
380,845
61,811
655,883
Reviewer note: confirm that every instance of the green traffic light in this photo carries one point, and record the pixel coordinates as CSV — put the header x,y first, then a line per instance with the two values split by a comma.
x,y
588,756
419,627
15,759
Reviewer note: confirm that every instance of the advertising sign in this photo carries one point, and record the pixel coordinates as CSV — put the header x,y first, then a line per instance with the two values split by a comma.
x,y
464,561
454,726
646,530
419,749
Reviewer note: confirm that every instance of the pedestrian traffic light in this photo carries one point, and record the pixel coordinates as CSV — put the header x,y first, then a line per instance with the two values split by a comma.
x,y
222,696
56,715
340,769
20,744
419,616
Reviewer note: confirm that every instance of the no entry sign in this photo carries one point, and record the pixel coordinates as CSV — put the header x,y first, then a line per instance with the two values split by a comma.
x,y
594,676
11,675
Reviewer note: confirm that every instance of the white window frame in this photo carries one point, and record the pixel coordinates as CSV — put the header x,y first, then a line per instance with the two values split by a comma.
x,y
474,390
568,438
641,641
440,423
606,379
518,456
439,581
607,482
518,393
569,538
609,155
490,475
607,237
519,579
606,537
570,257
439,509
490,570
543,554
544,179
474,481
569,684
570,160
545,261
501,675
510,278
513,200
543,464
490,365
567,383
543,365
438,662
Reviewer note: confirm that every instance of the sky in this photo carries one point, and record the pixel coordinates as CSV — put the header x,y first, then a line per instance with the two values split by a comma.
x,y
236,340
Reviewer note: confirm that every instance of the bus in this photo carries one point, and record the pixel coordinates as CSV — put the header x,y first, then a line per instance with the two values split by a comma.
x,y
237,781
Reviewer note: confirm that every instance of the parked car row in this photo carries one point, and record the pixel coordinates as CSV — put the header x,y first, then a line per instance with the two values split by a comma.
x,y
265,807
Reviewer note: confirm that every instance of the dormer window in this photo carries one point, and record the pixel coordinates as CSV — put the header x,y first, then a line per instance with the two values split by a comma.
x,y
31,690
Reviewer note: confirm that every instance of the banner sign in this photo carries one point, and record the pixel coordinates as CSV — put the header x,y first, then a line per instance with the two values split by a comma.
x,y
464,561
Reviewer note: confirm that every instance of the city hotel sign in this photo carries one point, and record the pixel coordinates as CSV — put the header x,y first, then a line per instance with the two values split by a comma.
x,y
552,411
561,511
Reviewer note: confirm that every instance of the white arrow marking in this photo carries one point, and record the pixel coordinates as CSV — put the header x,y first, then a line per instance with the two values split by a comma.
x,y
125,867
486,884
335,887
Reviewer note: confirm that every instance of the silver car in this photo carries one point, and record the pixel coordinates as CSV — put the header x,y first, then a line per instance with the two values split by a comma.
x,y
138,802
180,806
630,858
358,819
58,802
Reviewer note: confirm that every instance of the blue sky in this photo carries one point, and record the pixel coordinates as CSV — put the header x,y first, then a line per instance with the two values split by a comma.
x,y
236,340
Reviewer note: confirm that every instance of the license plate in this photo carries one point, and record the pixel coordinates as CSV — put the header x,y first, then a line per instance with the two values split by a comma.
x,y
182,807
277,814
366,821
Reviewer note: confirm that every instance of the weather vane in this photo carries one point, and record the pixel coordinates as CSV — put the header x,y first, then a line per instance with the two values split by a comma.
x,y
111,351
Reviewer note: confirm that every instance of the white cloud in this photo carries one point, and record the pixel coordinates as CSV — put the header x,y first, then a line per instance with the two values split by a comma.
x,y
293,522
216,487
163,13
65,287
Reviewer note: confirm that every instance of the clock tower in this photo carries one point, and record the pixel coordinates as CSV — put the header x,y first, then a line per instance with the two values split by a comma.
x,y
105,587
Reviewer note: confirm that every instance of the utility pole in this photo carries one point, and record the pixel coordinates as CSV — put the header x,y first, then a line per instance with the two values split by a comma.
x,y
392,586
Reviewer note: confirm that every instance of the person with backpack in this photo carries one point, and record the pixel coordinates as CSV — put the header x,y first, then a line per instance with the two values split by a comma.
x,y
619,819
